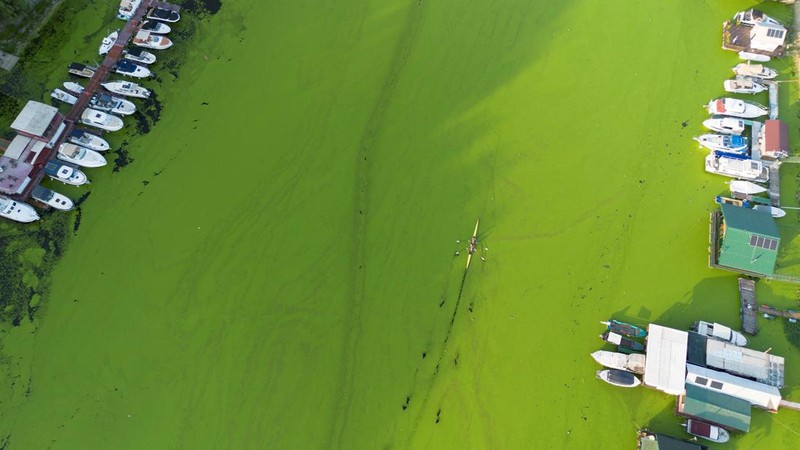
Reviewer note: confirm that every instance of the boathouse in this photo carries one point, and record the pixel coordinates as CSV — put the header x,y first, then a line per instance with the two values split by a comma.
x,y
774,139
715,408
753,31
665,367
40,122
744,241
758,394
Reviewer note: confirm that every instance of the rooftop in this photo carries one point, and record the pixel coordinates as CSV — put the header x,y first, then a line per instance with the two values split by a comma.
x,y
715,407
761,366
665,368
34,118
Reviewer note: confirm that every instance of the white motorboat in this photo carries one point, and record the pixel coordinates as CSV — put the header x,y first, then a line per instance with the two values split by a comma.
x,y
707,431
88,140
774,211
163,15
127,67
723,142
100,119
81,156
719,332
65,173
745,169
17,211
127,88
618,378
73,87
156,27
746,187
108,42
753,17
81,70
127,8
754,70
750,56
64,96
727,106
725,125
139,55
744,85
52,198
631,363
148,40
109,103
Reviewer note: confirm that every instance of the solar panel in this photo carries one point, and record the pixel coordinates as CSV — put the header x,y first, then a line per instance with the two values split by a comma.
x,y
762,242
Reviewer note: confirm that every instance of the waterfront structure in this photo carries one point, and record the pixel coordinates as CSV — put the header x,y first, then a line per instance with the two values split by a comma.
x,y
744,240
715,408
753,31
758,394
774,139
40,122
665,366
648,440
759,366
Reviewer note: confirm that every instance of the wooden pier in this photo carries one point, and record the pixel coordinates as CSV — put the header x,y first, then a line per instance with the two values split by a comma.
x,y
773,98
774,182
747,296
777,312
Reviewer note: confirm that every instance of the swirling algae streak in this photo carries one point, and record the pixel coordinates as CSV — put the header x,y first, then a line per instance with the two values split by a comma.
x,y
405,44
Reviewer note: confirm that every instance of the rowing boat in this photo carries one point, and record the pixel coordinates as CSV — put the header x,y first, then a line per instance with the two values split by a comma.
x,y
473,243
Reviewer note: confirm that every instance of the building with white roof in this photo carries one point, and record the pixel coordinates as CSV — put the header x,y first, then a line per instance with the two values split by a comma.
x,y
758,394
665,368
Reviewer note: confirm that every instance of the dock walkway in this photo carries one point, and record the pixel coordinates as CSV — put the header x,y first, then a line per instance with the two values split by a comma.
x,y
747,295
773,98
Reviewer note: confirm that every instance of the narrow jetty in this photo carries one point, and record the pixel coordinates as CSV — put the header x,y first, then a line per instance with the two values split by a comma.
x,y
777,312
774,182
790,405
747,295
773,98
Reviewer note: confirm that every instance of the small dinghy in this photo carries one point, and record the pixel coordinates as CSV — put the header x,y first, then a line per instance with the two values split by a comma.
x,y
108,42
773,210
719,332
52,198
127,88
750,56
618,378
625,329
723,142
707,431
754,70
139,55
81,70
99,119
624,344
163,15
65,173
632,363
80,156
127,67
727,106
744,85
745,169
148,40
156,27
88,140
116,105
725,125
64,96
746,187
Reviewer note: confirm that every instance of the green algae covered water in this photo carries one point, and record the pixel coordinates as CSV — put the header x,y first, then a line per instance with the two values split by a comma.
x,y
277,269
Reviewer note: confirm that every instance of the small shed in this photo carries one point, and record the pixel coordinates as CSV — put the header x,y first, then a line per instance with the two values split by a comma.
x,y
665,368
775,139
715,408
750,240
758,394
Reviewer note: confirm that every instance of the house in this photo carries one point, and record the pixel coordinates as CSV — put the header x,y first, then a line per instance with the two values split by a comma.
x,y
774,139
755,32
745,241
714,407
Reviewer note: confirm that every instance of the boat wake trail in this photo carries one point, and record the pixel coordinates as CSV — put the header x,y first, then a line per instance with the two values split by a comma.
x,y
455,311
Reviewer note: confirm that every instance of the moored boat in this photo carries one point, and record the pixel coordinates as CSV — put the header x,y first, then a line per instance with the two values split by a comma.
x,y
148,40
80,156
65,173
81,70
723,142
128,68
737,168
64,96
140,55
727,106
73,87
109,103
632,363
774,211
17,211
707,431
719,332
155,26
746,187
126,88
52,198
101,120
108,42
725,125
623,343
163,15
744,85
625,329
127,8
88,140
754,70
618,378
750,56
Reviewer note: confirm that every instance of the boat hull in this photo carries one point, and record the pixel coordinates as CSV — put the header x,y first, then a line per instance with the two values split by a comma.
x,y
746,187
707,431
618,378
127,89
625,329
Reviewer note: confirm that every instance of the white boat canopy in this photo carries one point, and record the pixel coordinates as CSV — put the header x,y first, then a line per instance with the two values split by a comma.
x,y
665,368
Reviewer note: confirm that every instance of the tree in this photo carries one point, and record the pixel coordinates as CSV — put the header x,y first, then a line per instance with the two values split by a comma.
x,y
10,8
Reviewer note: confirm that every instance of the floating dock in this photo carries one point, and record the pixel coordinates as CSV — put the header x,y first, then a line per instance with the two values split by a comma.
x,y
747,296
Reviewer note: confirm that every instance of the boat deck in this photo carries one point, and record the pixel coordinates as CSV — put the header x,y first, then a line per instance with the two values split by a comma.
x,y
747,296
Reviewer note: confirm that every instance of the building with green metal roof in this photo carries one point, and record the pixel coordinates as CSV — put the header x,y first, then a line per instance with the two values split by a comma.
x,y
715,408
748,241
